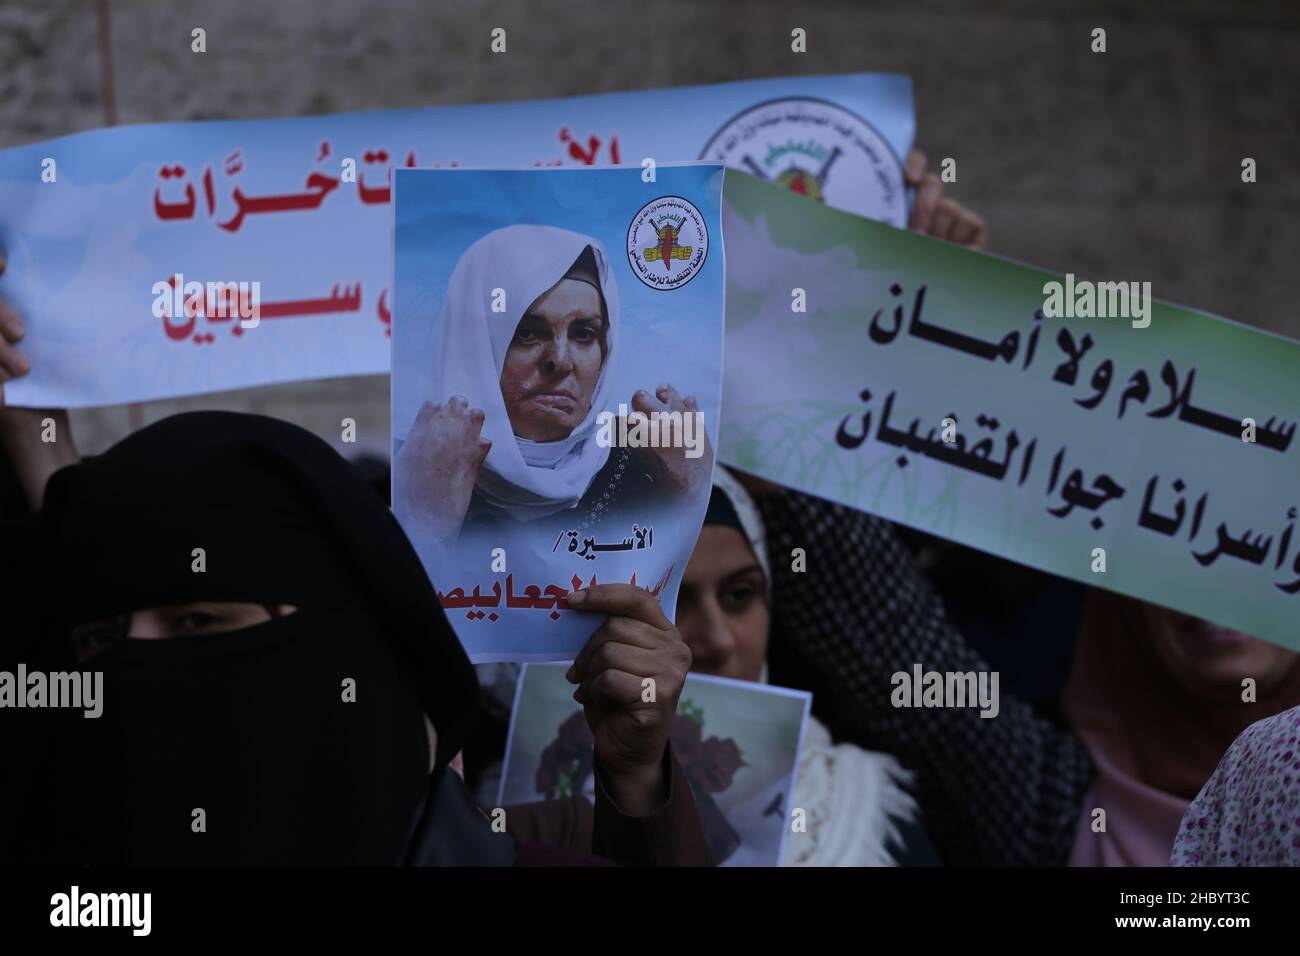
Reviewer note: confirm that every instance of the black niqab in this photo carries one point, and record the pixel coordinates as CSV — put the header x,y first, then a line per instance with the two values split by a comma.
x,y
245,747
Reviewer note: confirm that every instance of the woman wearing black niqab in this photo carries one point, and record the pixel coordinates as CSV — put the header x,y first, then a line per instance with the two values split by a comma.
x,y
303,693
298,740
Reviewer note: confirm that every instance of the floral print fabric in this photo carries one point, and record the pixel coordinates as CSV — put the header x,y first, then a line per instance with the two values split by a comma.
x,y
1248,814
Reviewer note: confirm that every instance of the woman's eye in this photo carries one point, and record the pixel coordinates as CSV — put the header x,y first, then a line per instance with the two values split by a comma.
x,y
97,640
92,640
584,334
529,332
196,621
738,597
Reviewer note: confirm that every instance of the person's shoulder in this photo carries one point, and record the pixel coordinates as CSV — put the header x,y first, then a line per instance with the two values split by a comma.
x,y
884,826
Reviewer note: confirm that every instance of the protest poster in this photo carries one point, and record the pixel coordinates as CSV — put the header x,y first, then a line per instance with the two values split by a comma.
x,y
163,260
1082,428
737,743
557,365
126,214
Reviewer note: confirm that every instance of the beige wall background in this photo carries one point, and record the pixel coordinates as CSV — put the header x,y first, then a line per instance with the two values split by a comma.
x,y
1117,165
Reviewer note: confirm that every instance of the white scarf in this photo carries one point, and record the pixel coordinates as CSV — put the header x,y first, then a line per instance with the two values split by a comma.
x,y
851,797
523,478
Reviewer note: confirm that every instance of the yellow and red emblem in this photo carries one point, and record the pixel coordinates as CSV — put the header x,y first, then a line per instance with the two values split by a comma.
x,y
667,249
801,181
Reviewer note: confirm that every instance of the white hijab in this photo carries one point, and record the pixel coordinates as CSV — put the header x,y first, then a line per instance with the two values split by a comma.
x,y
524,478
852,797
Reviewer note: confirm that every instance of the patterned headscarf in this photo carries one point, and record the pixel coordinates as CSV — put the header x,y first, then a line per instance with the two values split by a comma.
x,y
1248,814
731,505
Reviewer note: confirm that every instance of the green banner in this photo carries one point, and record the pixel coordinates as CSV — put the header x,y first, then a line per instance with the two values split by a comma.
x,y
1080,428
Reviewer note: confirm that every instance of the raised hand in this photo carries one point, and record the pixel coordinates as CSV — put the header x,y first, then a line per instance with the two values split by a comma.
x,y
629,676
435,470
681,473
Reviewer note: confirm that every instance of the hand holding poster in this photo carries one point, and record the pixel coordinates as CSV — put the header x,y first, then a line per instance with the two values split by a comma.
x,y
556,374
737,743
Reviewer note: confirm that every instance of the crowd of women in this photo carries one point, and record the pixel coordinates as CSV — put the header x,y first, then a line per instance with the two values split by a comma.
x,y
304,700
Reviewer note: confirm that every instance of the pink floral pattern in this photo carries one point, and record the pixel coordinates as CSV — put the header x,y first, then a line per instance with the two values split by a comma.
x,y
1248,814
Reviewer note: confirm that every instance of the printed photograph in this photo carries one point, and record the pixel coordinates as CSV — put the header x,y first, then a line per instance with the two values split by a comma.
x,y
737,743
556,378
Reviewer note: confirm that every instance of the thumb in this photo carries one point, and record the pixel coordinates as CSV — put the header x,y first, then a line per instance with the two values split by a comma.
x,y
914,168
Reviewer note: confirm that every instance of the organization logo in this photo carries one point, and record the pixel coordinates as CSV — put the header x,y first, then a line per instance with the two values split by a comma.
x,y
816,149
667,242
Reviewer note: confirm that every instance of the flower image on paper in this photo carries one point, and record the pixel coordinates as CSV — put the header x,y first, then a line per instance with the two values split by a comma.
x,y
737,743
